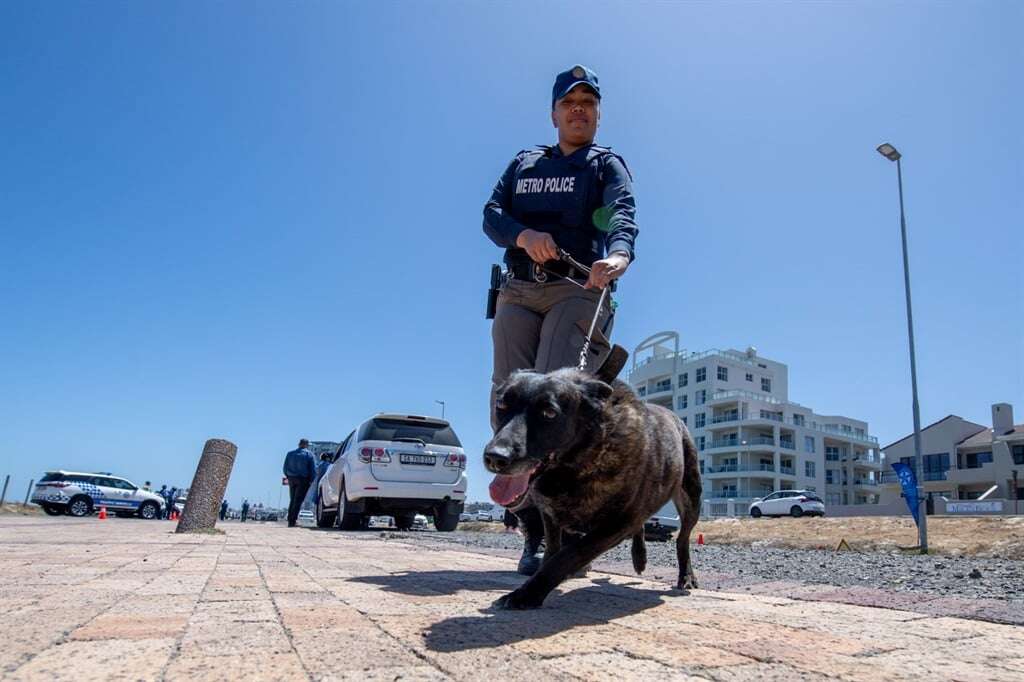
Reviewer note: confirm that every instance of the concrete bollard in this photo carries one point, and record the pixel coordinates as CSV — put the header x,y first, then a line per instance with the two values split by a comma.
x,y
208,486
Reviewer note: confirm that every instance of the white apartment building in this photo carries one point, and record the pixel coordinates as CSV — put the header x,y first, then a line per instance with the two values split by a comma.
x,y
962,460
751,439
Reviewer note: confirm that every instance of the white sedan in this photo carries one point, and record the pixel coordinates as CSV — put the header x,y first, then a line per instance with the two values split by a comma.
x,y
788,503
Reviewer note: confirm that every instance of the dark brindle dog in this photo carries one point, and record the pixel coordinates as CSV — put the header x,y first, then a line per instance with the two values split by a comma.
x,y
597,462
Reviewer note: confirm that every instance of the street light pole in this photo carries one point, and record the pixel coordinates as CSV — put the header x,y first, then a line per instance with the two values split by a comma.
x,y
889,152
441,403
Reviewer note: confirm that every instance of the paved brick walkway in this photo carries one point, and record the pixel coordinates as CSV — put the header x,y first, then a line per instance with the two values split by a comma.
x,y
126,599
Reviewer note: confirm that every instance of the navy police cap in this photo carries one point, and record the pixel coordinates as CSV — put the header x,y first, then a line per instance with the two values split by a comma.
x,y
567,80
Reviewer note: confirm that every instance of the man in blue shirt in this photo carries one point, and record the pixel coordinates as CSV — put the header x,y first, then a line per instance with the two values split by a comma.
x,y
300,470
577,197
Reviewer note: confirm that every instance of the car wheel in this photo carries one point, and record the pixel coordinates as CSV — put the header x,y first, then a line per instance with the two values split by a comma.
x,y
796,511
149,511
404,521
347,520
80,506
52,510
445,523
755,512
324,519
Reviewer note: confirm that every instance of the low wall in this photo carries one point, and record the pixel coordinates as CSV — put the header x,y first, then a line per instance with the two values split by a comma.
x,y
898,508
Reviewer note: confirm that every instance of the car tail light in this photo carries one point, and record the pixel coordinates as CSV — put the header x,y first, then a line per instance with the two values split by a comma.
x,y
455,461
367,455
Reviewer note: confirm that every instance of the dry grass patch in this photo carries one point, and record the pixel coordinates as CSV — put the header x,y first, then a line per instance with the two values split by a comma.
x,y
998,536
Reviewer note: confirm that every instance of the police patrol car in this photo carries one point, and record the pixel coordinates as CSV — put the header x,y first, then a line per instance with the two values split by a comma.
x,y
80,494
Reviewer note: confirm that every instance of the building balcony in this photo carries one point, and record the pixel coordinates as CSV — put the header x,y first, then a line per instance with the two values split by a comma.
x,y
735,394
745,469
787,444
891,477
787,471
724,418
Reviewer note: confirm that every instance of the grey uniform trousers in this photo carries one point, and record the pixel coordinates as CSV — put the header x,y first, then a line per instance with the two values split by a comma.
x,y
543,326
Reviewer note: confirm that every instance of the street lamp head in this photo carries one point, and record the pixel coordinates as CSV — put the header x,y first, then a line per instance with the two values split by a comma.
x,y
889,152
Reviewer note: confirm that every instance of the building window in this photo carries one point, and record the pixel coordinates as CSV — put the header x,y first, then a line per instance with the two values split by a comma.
x,y
663,385
698,420
809,470
811,488
700,375
859,432
766,384
808,443
833,499
681,402
973,460
774,416
723,373
798,420
831,453
1018,454
683,379
641,391
700,397
684,421
700,443
750,377
830,476
701,462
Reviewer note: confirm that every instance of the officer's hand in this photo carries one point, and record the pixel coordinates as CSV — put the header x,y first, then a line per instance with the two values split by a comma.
x,y
602,272
539,245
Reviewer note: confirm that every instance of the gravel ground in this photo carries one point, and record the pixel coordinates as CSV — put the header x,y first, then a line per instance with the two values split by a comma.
x,y
969,577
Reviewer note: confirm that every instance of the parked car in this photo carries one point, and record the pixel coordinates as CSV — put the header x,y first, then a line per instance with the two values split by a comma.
x,y
465,516
306,516
81,493
788,503
419,521
655,531
485,515
397,465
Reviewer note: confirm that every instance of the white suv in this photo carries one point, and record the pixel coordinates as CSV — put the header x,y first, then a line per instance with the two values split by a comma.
x,y
80,494
788,502
395,465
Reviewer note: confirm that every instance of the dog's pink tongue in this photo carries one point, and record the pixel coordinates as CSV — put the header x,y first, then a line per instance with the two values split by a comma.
x,y
507,489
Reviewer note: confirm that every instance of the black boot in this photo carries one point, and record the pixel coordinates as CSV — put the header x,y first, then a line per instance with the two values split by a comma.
x,y
533,530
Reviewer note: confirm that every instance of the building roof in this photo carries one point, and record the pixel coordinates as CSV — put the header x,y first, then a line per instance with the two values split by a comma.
x,y
950,416
984,437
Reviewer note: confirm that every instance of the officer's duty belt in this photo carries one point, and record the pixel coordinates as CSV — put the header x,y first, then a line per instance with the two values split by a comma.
x,y
549,272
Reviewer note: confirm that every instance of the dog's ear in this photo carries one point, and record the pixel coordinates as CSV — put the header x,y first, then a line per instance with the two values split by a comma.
x,y
595,393
612,364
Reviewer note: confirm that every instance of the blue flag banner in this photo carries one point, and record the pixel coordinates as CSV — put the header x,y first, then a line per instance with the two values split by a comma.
x,y
908,481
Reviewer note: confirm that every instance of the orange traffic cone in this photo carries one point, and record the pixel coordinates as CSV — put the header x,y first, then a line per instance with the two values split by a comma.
x,y
103,513
700,538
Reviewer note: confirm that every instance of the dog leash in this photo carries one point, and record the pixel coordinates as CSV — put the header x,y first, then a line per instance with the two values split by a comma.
x,y
565,256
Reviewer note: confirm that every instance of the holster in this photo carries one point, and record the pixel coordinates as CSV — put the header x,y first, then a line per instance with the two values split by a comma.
x,y
492,293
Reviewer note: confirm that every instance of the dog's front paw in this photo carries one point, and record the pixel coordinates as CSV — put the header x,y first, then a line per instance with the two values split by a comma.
x,y
516,601
688,583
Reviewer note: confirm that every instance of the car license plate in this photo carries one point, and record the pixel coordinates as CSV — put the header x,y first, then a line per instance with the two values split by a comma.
x,y
427,460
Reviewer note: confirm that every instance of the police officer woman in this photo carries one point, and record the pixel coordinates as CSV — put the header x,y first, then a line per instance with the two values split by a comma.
x,y
578,197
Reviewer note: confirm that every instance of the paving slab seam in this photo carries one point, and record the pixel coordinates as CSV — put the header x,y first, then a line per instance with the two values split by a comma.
x,y
407,647
280,619
66,633
176,650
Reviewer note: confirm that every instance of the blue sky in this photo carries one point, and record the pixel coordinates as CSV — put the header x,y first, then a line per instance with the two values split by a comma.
x,y
261,221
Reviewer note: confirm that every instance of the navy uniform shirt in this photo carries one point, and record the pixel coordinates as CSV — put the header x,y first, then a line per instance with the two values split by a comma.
x,y
300,463
583,200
